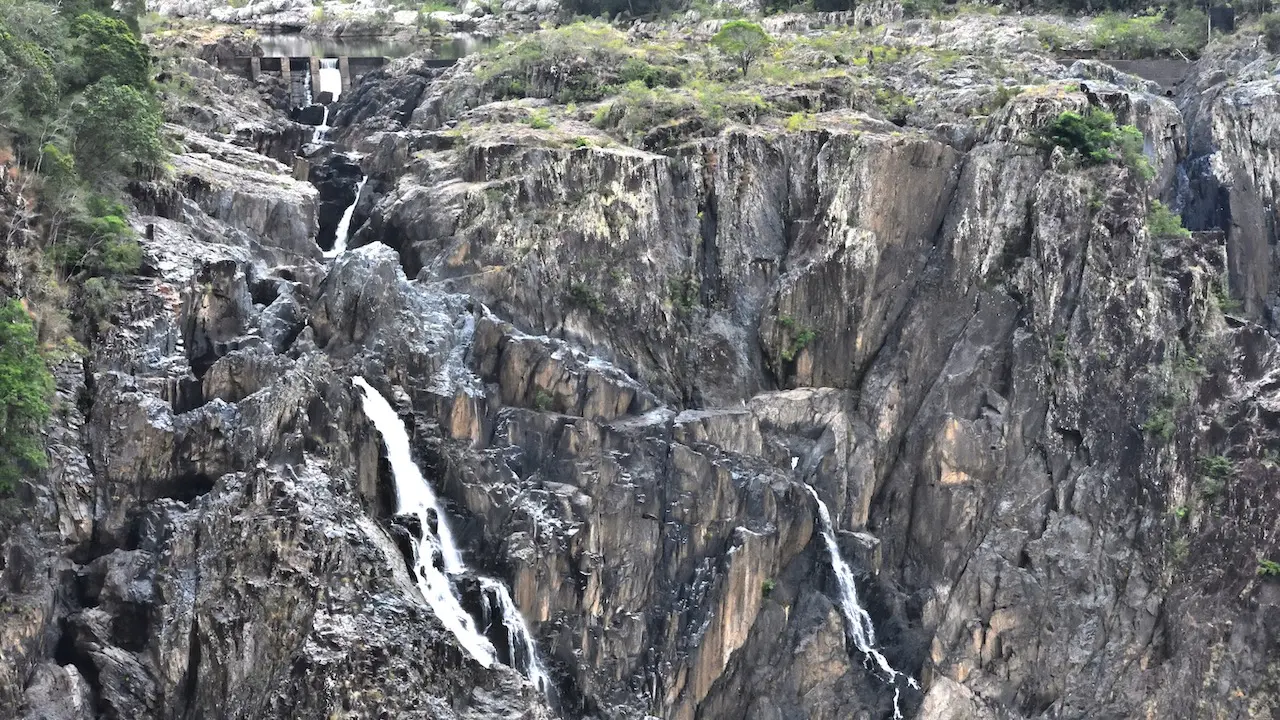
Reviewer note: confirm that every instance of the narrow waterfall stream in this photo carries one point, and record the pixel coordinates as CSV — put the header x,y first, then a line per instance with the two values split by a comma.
x,y
857,622
414,496
343,231
520,647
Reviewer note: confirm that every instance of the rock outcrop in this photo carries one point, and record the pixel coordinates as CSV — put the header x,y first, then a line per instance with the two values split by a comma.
x,y
1045,436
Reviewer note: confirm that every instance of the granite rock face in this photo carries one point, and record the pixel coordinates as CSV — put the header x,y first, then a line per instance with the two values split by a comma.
x,y
1045,437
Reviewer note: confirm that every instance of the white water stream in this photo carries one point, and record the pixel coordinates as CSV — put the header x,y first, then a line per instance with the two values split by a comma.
x,y
330,80
857,622
414,496
343,231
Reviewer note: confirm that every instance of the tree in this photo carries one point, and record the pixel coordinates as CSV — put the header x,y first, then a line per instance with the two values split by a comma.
x,y
117,130
25,386
109,49
742,40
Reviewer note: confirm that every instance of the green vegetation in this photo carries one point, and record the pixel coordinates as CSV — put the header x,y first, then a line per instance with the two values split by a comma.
x,y
799,121
540,120
78,111
800,337
1160,424
684,292
1226,302
767,587
542,400
106,48
671,87
1120,36
1164,223
1268,568
1271,31
581,295
1094,139
25,386
1180,33
1214,471
743,41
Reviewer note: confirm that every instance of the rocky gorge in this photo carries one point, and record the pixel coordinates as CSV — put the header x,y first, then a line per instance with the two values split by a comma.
x,y
680,364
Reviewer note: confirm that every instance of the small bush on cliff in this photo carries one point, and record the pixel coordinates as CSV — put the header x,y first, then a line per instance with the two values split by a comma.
x,y
1095,139
1271,31
1164,223
25,385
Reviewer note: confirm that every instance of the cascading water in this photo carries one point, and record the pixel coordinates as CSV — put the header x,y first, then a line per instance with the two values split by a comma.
x,y
520,645
857,622
322,129
331,77
343,231
414,496
330,81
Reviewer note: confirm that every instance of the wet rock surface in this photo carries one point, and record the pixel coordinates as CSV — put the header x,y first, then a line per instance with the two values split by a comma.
x,y
620,366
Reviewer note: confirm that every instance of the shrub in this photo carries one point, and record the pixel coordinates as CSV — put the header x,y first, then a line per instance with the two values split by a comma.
x,y
1145,36
799,121
581,295
1268,568
1160,424
1271,31
1002,96
743,41
1217,467
1095,139
99,243
25,386
767,587
1164,223
542,400
539,120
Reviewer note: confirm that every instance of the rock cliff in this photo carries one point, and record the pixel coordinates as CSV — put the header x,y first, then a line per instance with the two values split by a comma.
x,y
1046,435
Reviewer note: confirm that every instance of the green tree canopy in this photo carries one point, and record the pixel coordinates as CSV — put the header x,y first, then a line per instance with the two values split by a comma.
x,y
743,41
108,48
117,130
25,386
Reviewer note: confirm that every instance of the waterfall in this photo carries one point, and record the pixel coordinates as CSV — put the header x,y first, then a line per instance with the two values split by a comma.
x,y
330,80
306,83
857,622
520,645
414,496
322,129
344,225
330,77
